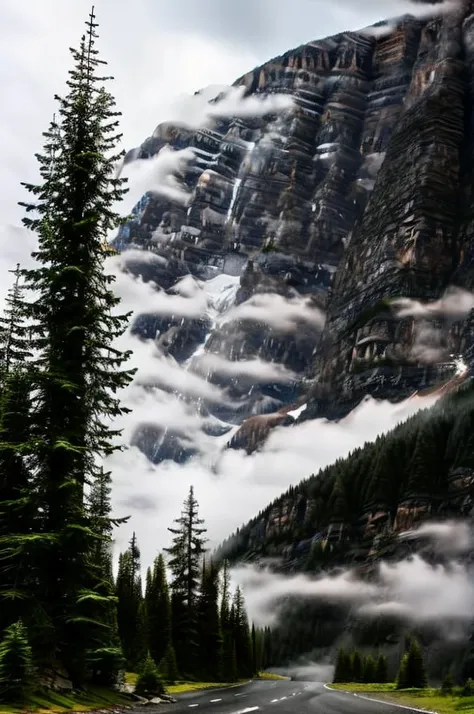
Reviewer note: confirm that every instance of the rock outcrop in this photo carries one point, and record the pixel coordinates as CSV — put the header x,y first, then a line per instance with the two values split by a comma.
x,y
359,193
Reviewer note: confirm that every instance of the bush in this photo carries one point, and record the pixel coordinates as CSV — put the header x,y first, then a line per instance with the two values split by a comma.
x,y
448,683
149,682
468,689
16,664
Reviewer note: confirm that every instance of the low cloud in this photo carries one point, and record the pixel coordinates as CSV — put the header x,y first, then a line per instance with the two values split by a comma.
x,y
455,304
201,110
282,314
162,174
138,296
255,369
448,537
411,590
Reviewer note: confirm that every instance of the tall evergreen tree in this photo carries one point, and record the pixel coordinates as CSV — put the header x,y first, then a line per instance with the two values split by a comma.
x,y
76,370
209,628
186,553
243,645
129,595
158,608
229,662
18,514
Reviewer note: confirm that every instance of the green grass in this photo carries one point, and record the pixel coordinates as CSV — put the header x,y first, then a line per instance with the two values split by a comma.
x,y
270,675
53,702
181,687
429,698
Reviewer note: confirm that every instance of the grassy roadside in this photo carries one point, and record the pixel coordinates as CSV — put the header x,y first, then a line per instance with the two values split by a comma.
x,y
46,701
429,699
270,675
185,687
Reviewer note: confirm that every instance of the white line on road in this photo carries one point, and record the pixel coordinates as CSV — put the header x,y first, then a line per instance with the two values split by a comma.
x,y
192,705
282,698
273,701
240,695
245,711
213,701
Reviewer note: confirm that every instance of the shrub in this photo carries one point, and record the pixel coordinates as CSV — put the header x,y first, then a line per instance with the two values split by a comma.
x,y
106,664
149,682
468,689
448,683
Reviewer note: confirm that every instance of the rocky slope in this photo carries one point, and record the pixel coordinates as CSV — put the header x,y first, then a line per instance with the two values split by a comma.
x,y
359,193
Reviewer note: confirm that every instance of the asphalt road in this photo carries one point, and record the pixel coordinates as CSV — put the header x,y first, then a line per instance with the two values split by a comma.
x,y
277,697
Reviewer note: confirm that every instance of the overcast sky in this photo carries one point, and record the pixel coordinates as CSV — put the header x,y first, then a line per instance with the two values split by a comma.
x,y
156,50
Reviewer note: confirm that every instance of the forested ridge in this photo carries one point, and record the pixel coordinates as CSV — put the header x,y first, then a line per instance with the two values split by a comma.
x,y
422,468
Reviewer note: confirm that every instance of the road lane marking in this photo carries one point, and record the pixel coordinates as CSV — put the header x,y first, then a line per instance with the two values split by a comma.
x,y
213,701
246,711
192,705
273,701
242,694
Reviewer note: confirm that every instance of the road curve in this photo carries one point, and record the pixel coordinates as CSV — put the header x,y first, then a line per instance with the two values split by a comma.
x,y
275,697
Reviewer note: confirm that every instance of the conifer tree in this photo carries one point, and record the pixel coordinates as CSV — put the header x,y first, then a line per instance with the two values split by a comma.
x,y
381,669
129,612
356,667
186,553
229,661
412,669
243,645
343,669
76,370
158,607
18,514
168,666
368,670
16,664
209,628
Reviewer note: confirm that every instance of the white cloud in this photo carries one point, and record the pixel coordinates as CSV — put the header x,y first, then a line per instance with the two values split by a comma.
x,y
283,314
255,369
455,304
411,590
448,536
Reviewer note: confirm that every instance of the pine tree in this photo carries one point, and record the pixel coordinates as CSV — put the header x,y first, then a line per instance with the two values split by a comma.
x,y
342,672
18,513
129,613
381,669
168,666
412,669
149,682
209,628
243,645
448,683
76,370
368,670
356,667
158,607
229,660
16,664
186,553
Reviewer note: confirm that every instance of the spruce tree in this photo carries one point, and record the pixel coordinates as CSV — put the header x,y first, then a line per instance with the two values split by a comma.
x,y
76,370
149,682
356,667
368,670
186,553
158,607
129,612
209,628
229,661
243,645
381,669
412,669
168,666
16,664
341,670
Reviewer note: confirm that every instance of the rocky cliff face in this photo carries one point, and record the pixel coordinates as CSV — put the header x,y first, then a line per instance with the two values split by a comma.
x,y
359,193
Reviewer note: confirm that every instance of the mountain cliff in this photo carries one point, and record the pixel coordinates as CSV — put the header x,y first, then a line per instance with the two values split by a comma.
x,y
357,194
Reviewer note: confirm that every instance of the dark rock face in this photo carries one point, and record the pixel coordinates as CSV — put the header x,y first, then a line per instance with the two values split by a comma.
x,y
361,192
